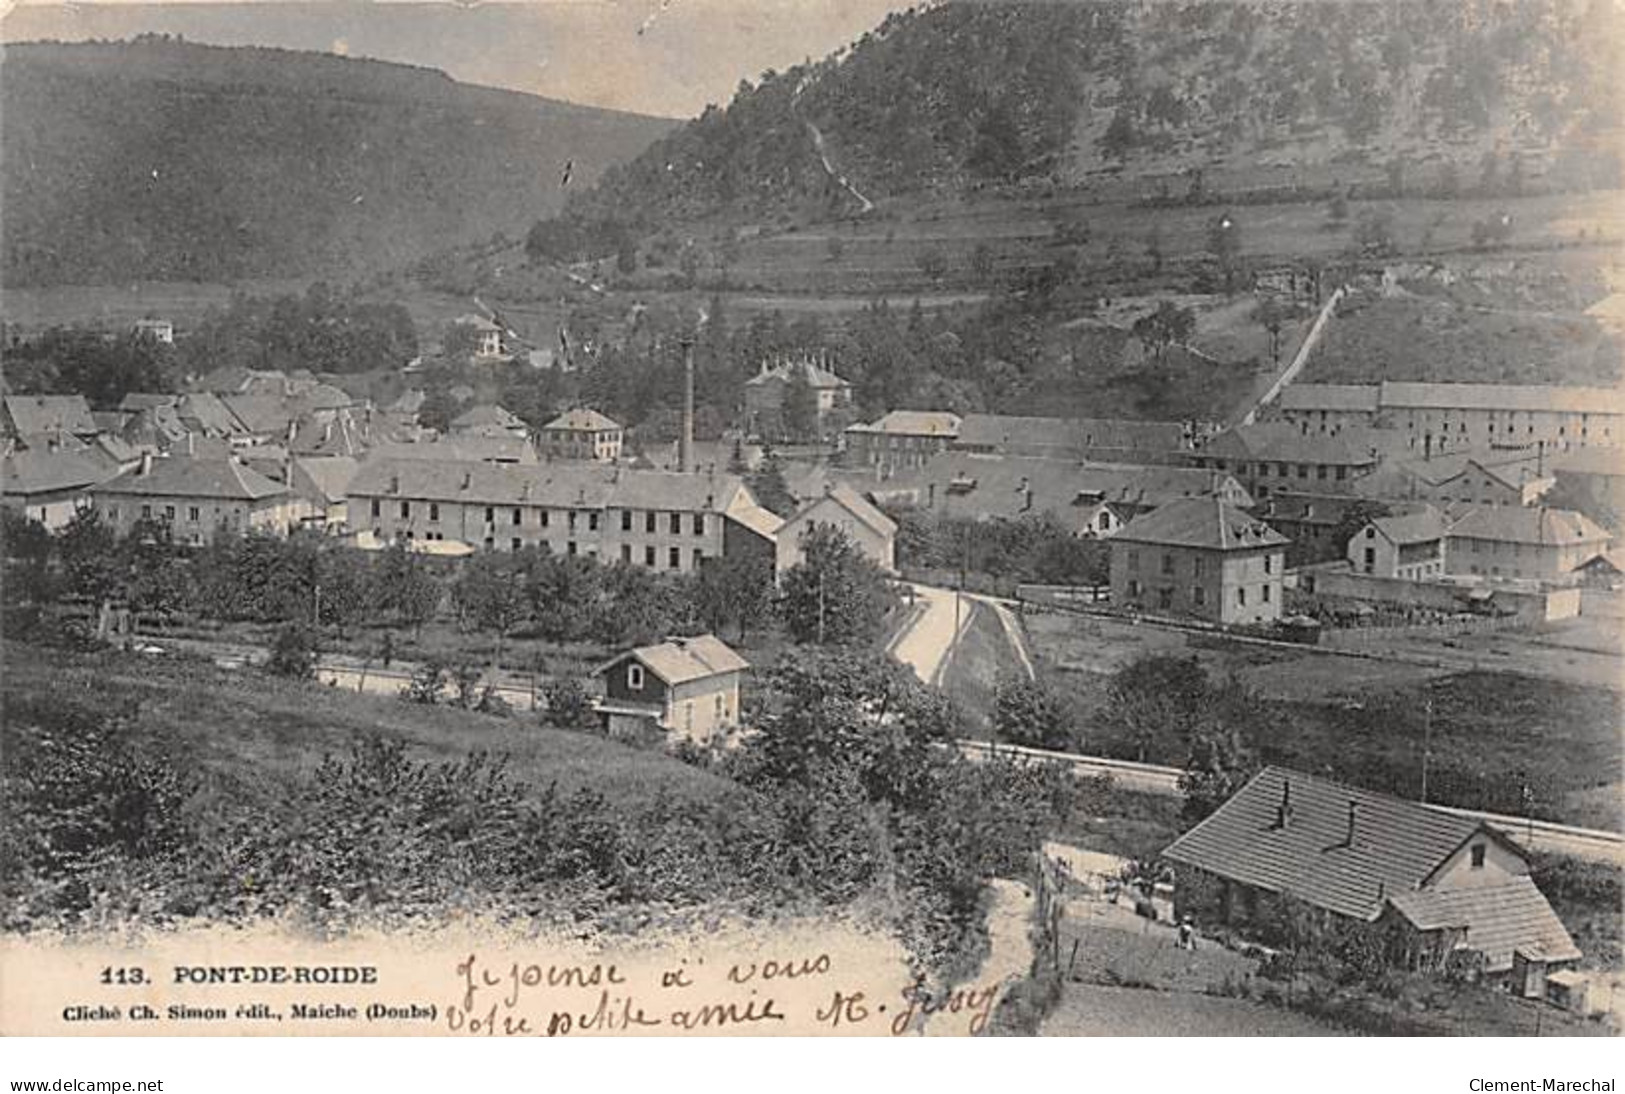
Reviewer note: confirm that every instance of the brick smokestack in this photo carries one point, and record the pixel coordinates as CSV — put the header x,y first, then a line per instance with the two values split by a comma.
x,y
685,441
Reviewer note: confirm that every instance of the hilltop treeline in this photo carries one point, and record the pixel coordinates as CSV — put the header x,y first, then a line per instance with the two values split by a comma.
x,y
967,95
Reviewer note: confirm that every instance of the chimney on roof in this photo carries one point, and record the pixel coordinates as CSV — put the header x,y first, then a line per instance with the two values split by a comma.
x,y
1283,812
146,463
468,479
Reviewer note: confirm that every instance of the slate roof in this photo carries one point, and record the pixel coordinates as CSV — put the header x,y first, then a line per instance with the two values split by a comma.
x,y
204,412
267,414
1283,442
141,400
854,503
1339,397
183,476
329,475
1033,436
1526,524
583,420
1566,400
487,414
565,484
1499,919
504,448
913,423
679,660
38,471
27,414
1206,522
1420,527
816,375
1397,844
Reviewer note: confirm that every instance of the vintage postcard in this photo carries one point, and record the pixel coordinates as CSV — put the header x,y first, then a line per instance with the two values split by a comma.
x,y
833,517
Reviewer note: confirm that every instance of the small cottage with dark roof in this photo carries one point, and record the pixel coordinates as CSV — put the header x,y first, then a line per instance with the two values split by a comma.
x,y
1200,557
1436,887
683,688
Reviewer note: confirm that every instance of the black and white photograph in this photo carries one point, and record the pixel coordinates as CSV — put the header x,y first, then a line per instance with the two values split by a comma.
x,y
983,518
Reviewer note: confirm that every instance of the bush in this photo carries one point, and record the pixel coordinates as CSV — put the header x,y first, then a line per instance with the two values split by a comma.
x,y
568,704
428,684
293,653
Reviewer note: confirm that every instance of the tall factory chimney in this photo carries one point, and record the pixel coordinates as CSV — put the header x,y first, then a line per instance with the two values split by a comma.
x,y
685,441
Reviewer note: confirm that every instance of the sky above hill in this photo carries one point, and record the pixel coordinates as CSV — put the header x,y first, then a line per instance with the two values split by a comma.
x,y
665,57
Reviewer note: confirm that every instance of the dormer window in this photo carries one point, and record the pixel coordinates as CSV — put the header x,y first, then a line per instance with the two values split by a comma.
x,y
634,676
1477,852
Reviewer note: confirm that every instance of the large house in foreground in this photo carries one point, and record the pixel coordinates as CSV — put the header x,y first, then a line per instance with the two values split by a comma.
x,y
1200,557
663,520
1439,889
683,688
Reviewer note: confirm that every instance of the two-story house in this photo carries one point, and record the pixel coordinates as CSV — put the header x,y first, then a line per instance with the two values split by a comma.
x,y
1199,557
197,497
842,507
685,689
901,440
1527,542
582,434
1409,546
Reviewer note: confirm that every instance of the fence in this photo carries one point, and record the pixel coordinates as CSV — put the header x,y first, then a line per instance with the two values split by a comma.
x,y
971,581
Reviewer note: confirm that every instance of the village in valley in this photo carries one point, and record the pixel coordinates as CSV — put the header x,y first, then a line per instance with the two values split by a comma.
x,y
1238,609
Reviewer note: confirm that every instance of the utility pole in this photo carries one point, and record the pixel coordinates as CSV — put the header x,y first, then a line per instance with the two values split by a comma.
x,y
1427,743
821,605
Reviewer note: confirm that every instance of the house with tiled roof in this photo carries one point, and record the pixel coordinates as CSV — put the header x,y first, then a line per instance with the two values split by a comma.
x,y
843,508
198,497
50,484
1438,889
1200,557
765,392
683,688
1270,456
487,335
1410,546
1528,542
663,520
582,434
1105,440
900,440
38,415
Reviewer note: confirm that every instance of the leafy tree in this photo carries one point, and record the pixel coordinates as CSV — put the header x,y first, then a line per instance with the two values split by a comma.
x,y
1154,702
437,409
568,704
836,595
1374,233
404,586
1028,712
293,652
484,596
87,547
800,407
734,589
1169,325
768,486
28,548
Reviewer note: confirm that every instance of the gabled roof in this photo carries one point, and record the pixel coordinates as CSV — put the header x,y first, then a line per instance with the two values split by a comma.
x,y
1499,919
583,420
1420,527
1068,436
339,435
1397,845
27,414
329,476
1526,524
764,522
853,502
1283,442
487,414
183,476
566,484
141,400
679,660
1208,522
913,423
265,414
1338,397
38,471
1566,400
203,412
816,375
504,448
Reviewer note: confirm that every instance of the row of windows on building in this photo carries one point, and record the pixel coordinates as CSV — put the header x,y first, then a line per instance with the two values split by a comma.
x,y
1165,595
1198,563
1337,472
651,555
651,518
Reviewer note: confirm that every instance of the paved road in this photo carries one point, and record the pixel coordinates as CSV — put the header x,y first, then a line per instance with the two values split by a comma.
x,y
924,646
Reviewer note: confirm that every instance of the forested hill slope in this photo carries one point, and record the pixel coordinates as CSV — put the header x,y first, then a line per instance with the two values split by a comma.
x,y
170,160
970,94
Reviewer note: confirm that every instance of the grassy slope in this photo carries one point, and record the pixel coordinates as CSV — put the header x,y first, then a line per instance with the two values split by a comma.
x,y
256,731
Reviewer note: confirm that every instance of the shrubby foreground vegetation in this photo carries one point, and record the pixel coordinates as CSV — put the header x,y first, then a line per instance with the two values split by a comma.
x,y
118,817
